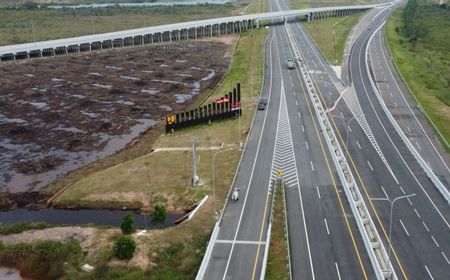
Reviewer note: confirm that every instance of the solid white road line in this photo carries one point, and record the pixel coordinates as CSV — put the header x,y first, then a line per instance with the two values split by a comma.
x,y
318,192
326,226
425,225
434,240
412,112
404,228
403,191
254,163
357,143
393,144
429,273
337,271
370,166
445,257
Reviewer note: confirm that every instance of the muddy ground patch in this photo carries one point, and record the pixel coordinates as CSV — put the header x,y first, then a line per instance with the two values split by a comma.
x,y
58,114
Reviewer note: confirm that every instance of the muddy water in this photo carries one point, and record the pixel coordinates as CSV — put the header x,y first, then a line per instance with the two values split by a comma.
x,y
73,160
82,217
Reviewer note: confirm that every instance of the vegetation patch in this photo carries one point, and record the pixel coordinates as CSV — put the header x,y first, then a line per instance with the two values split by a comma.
x,y
421,52
39,24
6,229
277,263
331,35
44,259
303,4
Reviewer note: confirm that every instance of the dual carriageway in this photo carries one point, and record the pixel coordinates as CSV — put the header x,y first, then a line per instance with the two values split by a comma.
x,y
325,241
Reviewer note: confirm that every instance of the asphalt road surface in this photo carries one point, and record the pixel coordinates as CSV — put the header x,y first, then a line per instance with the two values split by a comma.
x,y
324,240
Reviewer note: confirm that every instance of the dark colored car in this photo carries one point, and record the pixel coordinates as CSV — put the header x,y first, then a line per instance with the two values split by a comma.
x,y
262,104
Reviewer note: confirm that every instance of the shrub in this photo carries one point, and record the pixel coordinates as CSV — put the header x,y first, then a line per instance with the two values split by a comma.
x,y
124,247
127,224
159,214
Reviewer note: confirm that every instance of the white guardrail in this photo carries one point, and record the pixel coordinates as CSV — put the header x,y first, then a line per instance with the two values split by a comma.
x,y
437,183
383,268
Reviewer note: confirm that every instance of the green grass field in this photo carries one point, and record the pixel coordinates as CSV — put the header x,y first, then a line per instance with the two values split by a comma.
x,y
302,4
331,35
21,26
424,61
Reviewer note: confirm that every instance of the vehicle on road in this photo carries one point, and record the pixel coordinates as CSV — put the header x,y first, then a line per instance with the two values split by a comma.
x,y
290,63
262,104
235,195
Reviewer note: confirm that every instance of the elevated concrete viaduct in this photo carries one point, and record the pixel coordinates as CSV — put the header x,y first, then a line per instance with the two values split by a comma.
x,y
167,33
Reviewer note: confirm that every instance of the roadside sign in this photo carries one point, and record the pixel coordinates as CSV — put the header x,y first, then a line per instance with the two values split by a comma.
x,y
278,173
170,119
235,106
222,100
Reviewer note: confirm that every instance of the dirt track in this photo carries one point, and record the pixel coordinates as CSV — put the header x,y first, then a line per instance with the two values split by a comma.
x,y
57,114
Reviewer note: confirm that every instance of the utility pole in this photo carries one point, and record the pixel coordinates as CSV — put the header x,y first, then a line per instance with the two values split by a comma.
x,y
194,163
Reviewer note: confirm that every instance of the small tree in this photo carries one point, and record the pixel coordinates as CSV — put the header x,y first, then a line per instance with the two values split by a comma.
x,y
124,247
127,224
159,214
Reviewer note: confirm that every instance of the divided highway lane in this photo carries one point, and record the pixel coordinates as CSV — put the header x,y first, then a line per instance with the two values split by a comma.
x,y
332,247
419,254
335,245
408,114
240,242
421,232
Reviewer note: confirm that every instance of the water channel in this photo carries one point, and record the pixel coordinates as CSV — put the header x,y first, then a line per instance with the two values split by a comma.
x,y
83,216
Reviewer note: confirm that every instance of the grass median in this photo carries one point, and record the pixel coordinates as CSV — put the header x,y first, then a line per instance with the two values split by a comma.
x,y
277,264
331,35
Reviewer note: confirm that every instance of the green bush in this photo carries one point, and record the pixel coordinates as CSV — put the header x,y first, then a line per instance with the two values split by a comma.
x,y
124,247
43,260
6,229
159,214
127,224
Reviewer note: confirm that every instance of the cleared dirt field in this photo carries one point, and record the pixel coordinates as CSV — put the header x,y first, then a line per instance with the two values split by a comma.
x,y
58,114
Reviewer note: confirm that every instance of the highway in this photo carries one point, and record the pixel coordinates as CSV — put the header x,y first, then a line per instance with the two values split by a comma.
x,y
324,242
324,239
407,112
420,232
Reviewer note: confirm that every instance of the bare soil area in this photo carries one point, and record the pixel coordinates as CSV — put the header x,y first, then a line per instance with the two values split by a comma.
x,y
58,114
